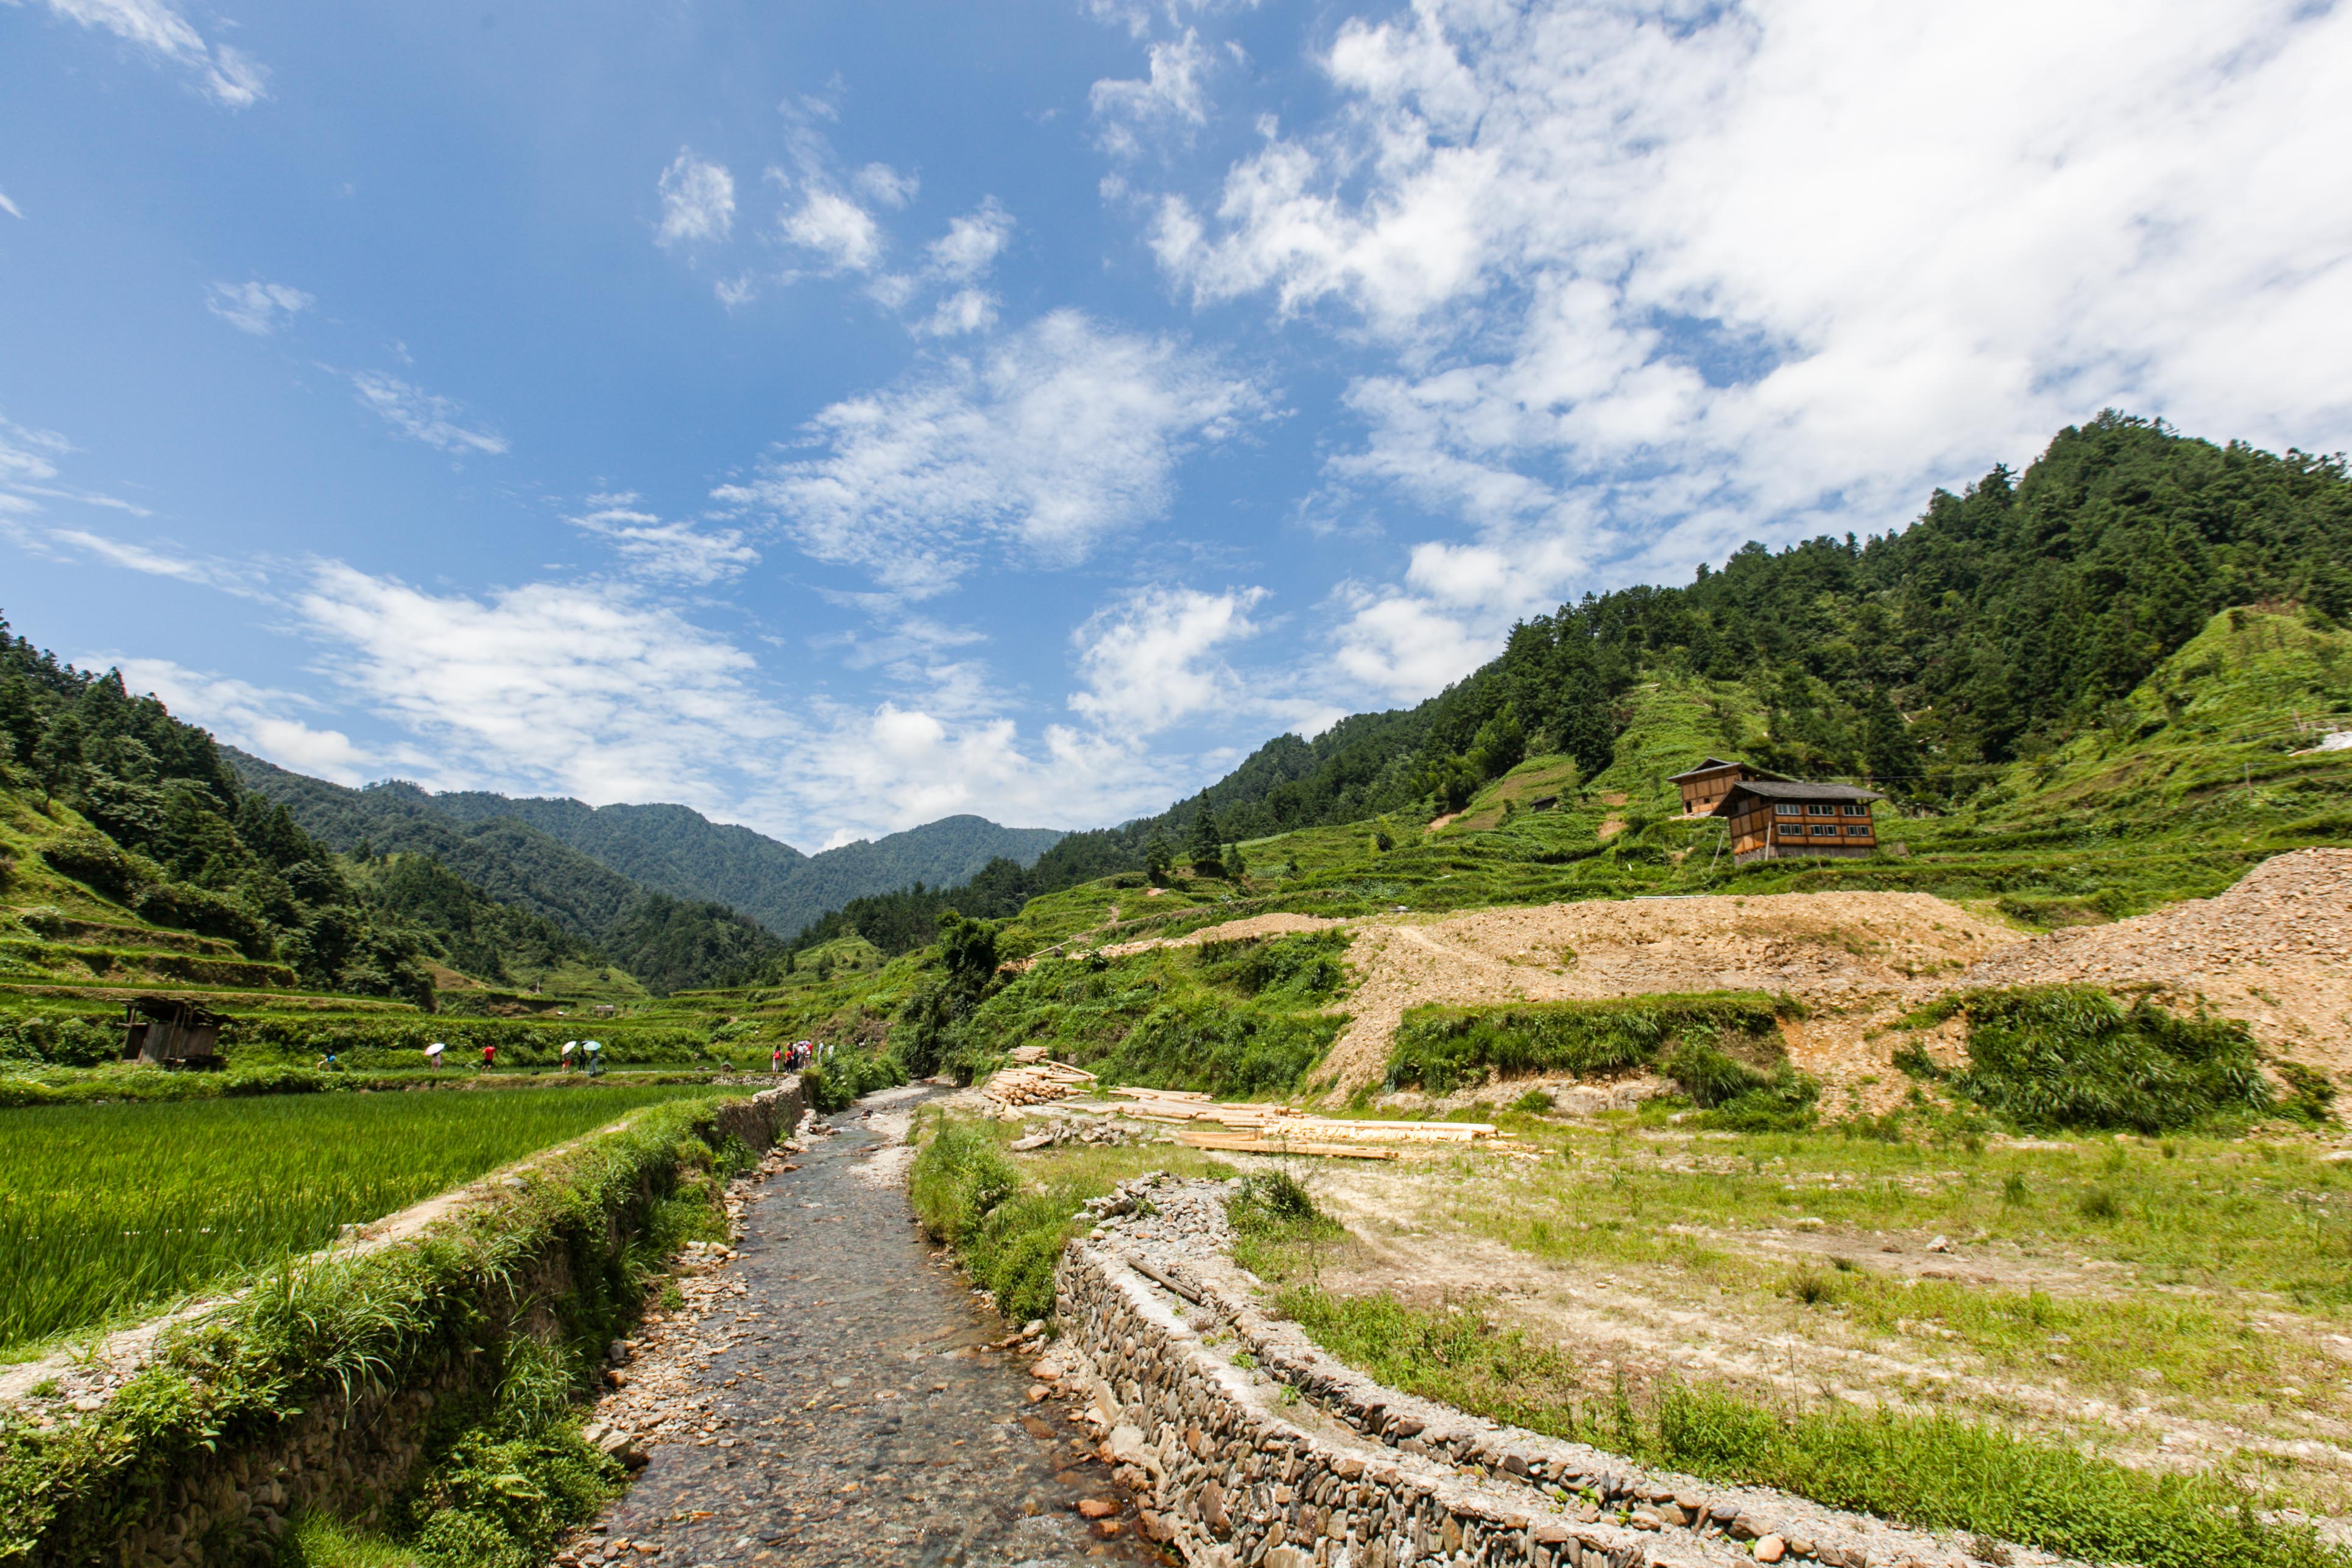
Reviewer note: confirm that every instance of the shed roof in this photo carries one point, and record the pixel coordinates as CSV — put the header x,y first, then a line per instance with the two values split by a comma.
x,y
1779,789
1712,765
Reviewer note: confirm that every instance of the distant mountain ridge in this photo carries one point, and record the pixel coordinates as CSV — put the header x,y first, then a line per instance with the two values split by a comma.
x,y
579,864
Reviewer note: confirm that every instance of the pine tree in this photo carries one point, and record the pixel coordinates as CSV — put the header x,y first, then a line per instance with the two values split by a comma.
x,y
1207,855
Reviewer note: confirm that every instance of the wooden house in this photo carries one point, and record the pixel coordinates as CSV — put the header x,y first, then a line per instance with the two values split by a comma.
x,y
1775,819
1705,786
166,1032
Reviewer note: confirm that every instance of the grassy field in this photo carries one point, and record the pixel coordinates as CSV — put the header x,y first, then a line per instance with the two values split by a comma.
x,y
107,1210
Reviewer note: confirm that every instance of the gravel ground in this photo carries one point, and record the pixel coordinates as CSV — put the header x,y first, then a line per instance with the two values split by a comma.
x,y
833,1394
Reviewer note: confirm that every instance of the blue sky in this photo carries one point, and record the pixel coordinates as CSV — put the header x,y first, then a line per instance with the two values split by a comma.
x,y
835,417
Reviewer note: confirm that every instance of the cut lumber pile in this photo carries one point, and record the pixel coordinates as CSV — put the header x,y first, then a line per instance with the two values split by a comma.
x,y
1278,1143
1037,1083
1273,1126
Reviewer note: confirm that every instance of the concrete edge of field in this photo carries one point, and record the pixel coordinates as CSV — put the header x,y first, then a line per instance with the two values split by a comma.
x,y
1255,1447
350,1455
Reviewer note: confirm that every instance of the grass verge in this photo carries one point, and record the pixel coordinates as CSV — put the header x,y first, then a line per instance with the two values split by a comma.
x,y
1007,1216
1932,1471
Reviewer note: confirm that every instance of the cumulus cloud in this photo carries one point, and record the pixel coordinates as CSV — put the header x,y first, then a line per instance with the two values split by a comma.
x,y
883,185
589,688
697,201
1171,96
1652,284
1148,661
256,307
260,719
1052,439
422,415
840,231
965,310
229,75
972,243
678,551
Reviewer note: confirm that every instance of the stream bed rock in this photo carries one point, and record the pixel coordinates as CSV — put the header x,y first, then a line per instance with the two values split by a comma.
x,y
829,1395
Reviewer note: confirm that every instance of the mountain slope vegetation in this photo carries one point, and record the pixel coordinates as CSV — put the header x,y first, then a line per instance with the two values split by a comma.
x,y
1953,664
670,849
664,941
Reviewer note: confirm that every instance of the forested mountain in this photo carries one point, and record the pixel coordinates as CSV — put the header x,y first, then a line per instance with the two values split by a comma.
x,y
665,942
2002,622
174,840
676,850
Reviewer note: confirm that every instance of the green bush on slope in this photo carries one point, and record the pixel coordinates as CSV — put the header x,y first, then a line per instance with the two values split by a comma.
x,y
2052,1056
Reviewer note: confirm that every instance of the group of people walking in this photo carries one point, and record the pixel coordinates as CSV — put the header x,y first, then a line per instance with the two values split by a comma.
x,y
784,1058
589,1055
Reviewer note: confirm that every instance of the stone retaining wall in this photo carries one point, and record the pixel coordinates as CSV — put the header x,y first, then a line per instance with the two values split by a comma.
x,y
350,1455
1255,1447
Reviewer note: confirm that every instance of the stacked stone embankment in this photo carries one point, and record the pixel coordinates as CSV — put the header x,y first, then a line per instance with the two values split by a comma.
x,y
1254,1448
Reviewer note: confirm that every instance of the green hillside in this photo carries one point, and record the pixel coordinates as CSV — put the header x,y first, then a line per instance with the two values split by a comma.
x,y
1961,665
663,940
669,850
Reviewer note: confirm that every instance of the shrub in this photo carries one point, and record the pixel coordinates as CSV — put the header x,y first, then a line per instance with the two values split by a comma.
x,y
839,1084
101,866
1439,1048
2071,1057
969,1194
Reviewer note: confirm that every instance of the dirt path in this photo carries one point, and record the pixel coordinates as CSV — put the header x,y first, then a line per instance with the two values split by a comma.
x,y
1650,1321
834,1403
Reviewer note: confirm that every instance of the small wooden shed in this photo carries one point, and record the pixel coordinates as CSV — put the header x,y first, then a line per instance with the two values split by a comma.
x,y
1705,786
1777,819
169,1032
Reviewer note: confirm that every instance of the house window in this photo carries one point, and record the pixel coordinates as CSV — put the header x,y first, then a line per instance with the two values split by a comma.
x,y
1785,809
1856,830
1825,830
1822,810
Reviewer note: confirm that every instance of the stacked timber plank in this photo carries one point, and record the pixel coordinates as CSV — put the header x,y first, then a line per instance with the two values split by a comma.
x,y
1278,1128
1036,1082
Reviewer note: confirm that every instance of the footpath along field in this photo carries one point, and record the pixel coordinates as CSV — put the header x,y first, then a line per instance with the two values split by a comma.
x,y
106,1211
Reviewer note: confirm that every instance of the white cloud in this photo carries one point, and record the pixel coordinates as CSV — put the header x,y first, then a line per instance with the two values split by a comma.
x,y
588,688
836,228
972,243
697,201
256,307
28,472
676,551
258,718
152,562
965,310
1147,662
230,76
8,206
885,186
1172,95
1052,439
1654,284
422,414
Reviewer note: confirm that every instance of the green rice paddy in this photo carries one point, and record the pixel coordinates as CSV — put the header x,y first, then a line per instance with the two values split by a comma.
x,y
106,1210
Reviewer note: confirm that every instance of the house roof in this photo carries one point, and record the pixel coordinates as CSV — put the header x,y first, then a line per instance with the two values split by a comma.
x,y
1778,789
1716,766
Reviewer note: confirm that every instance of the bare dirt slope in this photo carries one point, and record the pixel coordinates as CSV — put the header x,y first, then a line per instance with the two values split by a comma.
x,y
1846,954
2274,951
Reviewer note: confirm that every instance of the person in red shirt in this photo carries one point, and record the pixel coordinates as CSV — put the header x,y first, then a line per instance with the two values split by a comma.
x,y
489,1056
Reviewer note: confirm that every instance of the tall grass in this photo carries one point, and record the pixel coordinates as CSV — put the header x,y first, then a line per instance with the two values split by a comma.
x,y
2051,1056
1930,1470
1440,1047
108,1209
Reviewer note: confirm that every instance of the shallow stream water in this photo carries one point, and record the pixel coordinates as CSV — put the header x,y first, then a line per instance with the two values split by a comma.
x,y
866,1424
